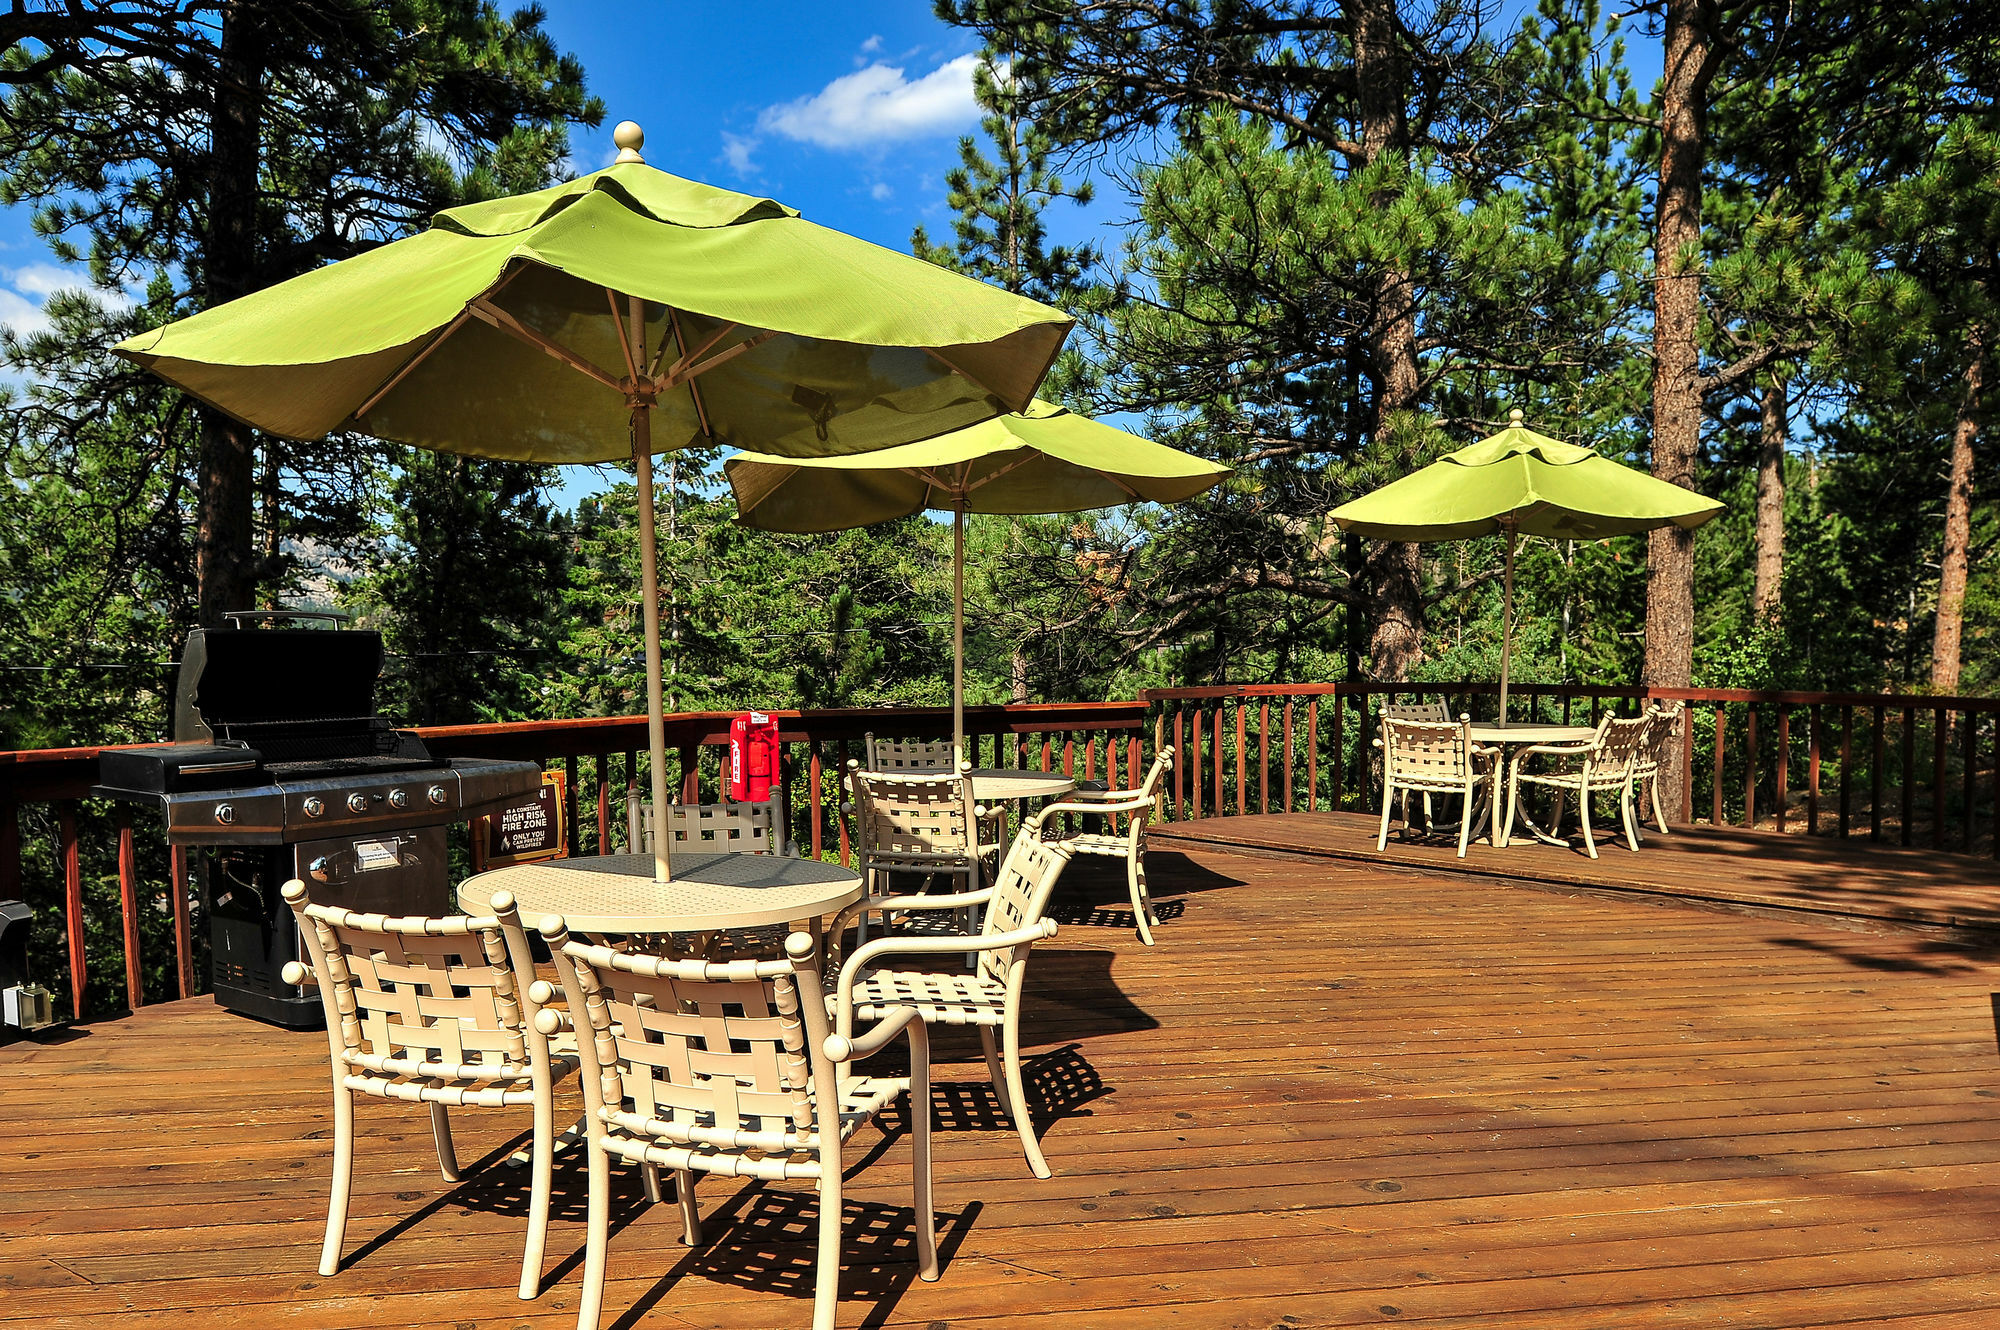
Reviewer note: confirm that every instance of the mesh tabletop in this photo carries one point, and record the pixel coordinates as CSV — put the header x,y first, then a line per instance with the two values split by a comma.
x,y
616,893
1533,734
1002,783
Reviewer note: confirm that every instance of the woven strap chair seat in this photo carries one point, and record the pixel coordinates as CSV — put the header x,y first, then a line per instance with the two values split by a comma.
x,y
938,997
860,1099
1095,842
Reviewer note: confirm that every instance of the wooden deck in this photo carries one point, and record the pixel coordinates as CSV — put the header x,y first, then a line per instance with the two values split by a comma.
x,y
1336,1093
1853,883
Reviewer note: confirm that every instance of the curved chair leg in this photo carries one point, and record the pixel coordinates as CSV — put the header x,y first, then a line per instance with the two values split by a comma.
x,y
1142,905
1506,831
441,1132
994,1070
544,1163
1583,816
1659,814
1465,821
1017,1099
597,1237
690,1211
343,1179
1630,817
1389,802
649,1177
826,1277
920,1135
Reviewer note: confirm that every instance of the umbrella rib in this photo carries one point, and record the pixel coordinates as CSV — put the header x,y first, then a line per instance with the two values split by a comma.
x,y
973,379
680,376
992,476
625,347
507,323
700,411
411,364
687,356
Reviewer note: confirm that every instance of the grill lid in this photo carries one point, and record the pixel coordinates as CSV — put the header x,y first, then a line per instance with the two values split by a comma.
x,y
294,694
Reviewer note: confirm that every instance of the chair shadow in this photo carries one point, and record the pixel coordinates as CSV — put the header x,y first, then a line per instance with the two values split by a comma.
x,y
1058,1083
765,1239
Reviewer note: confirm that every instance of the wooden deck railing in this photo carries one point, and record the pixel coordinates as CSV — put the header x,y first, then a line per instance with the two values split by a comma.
x,y
1902,769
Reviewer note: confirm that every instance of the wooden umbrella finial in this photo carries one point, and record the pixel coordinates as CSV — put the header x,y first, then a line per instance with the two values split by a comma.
x,y
1513,417
629,138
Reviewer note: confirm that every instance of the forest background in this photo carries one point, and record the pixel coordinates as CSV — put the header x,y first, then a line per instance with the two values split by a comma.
x,y
1357,234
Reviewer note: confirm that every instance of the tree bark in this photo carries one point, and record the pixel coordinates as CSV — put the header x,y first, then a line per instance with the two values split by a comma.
x,y
1770,569
1947,637
1677,386
1018,670
1395,587
225,556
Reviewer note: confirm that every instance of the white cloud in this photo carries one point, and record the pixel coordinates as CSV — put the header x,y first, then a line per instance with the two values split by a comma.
x,y
736,150
24,316
881,192
872,45
879,105
45,279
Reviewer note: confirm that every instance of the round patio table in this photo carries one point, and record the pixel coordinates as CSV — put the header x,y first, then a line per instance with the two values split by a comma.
x,y
616,893
1522,736
1005,783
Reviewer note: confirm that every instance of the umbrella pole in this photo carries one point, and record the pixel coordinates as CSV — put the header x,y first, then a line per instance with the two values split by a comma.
x,y
649,583
1507,622
958,629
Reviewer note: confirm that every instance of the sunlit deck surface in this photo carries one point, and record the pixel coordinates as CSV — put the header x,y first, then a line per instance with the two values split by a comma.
x,y
1336,1093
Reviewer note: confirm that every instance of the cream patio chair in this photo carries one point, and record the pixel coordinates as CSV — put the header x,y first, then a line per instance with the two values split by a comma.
x,y
745,828
729,1068
922,822
988,997
437,1012
1436,712
907,757
1599,766
1138,807
1660,749
1434,757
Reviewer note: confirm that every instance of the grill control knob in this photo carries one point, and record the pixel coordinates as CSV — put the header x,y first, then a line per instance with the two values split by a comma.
x,y
225,814
320,869
357,802
399,798
436,795
315,806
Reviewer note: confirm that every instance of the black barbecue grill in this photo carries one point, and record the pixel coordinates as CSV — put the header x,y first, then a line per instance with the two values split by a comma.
x,y
281,768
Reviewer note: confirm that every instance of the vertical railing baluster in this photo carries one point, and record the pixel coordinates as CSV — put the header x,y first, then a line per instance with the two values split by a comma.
x,y
1242,762
1290,704
690,774
573,839
128,908
72,876
1312,753
1339,767
1812,769
1875,777
177,891
631,766
1715,817
815,777
1180,767
1687,762
1971,763
1750,765
1264,755
1909,751
602,765
1784,763
1846,770
1940,778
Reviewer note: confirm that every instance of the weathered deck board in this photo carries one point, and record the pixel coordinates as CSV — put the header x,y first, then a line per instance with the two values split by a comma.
x,y
1335,1093
1854,880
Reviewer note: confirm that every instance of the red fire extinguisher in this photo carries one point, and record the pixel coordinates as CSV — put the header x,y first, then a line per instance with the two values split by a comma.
x,y
753,757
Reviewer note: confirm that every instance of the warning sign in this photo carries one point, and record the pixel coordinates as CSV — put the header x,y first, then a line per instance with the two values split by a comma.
x,y
525,832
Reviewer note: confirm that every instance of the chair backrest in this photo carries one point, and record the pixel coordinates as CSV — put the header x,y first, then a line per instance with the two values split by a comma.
x,y
1620,742
1021,892
746,828
1658,749
722,1054
907,756
913,818
423,997
1428,751
1435,711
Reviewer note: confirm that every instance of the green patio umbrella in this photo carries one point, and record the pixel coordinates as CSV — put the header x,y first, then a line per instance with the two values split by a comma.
x,y
1042,460
584,322
1520,482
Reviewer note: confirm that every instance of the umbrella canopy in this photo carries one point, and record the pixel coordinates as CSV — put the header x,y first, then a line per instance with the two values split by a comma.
x,y
1043,460
1521,482
582,323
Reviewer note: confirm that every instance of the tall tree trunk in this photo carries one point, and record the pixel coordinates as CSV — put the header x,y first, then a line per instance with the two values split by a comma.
x,y
225,557
1677,383
1945,644
1395,587
1770,502
1018,670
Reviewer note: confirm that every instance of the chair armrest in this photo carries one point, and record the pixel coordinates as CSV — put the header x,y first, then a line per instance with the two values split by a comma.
x,y
296,972
844,1048
1559,750
926,946
1095,809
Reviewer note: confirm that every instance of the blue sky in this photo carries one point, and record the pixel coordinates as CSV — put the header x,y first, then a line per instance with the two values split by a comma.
x,y
850,113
